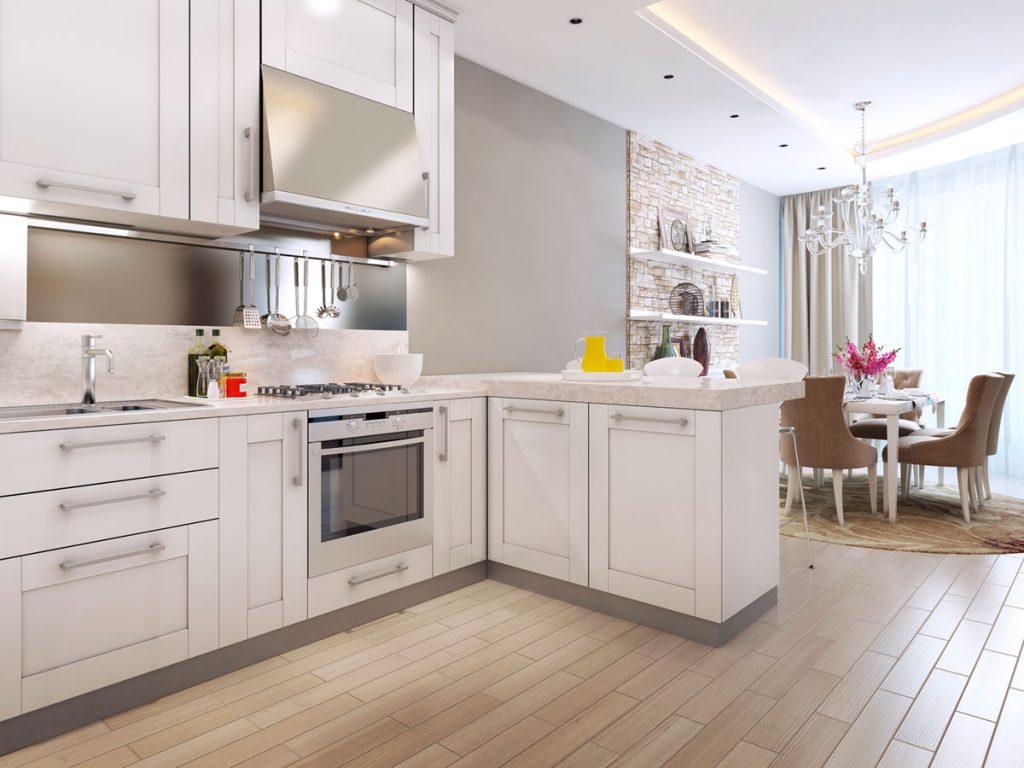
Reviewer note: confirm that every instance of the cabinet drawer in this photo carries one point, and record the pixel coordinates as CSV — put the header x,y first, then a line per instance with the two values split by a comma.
x,y
673,421
99,613
42,461
42,521
361,582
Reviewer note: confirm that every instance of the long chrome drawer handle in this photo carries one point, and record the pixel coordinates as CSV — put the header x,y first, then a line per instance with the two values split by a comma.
x,y
373,577
104,443
617,417
124,195
443,411
297,479
70,565
559,412
70,506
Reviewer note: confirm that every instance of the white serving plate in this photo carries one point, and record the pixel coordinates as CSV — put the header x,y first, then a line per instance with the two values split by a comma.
x,y
568,375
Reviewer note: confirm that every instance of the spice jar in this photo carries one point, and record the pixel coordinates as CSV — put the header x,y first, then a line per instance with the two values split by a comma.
x,y
235,384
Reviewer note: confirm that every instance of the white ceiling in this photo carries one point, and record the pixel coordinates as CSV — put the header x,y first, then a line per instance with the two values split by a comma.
x,y
950,75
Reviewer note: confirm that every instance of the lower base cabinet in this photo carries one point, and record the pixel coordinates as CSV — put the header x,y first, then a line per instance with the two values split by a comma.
x,y
460,509
339,589
83,617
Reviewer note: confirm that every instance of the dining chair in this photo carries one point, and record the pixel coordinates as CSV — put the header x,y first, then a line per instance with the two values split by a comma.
x,y
825,439
983,488
683,367
966,448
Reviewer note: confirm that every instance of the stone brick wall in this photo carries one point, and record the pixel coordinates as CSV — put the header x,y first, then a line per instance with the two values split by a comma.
x,y
661,176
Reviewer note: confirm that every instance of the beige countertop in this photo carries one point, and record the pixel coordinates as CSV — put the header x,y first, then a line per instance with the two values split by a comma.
x,y
697,394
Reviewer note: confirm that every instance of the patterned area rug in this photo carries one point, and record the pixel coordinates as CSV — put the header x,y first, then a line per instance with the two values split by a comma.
x,y
929,522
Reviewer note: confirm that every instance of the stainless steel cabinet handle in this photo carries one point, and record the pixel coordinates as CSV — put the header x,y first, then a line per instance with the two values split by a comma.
x,y
426,178
373,577
70,506
510,409
70,565
298,480
443,455
250,192
617,417
104,443
47,183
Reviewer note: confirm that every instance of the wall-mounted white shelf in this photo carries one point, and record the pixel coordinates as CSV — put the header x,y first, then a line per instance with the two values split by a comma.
x,y
688,259
668,317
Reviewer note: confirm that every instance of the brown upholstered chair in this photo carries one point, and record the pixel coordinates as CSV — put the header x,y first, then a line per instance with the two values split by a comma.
x,y
874,427
981,481
825,439
729,373
966,448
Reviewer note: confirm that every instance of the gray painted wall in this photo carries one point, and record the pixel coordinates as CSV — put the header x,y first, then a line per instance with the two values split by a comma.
x,y
759,247
540,235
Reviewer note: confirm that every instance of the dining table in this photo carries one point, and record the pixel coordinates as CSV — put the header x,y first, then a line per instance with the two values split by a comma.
x,y
892,407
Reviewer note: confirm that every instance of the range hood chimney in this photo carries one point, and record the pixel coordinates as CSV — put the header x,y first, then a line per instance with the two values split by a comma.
x,y
333,160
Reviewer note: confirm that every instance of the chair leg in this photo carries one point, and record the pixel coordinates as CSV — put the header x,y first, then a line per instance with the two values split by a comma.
x,y
819,478
873,487
984,480
905,481
794,479
963,480
919,476
837,487
978,487
972,492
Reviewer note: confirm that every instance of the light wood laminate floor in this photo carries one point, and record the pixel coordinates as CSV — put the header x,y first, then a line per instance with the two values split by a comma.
x,y
873,658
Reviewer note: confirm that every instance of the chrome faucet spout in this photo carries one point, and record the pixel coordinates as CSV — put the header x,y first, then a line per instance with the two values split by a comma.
x,y
89,354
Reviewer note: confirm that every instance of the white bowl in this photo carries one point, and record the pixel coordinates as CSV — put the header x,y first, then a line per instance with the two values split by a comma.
x,y
402,368
683,367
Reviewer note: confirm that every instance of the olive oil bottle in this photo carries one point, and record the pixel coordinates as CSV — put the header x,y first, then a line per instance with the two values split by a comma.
x,y
216,348
195,352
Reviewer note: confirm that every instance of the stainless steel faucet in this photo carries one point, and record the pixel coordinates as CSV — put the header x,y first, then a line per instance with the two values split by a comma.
x,y
89,354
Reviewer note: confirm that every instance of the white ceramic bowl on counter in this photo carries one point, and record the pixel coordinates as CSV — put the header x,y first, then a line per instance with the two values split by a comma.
x,y
401,368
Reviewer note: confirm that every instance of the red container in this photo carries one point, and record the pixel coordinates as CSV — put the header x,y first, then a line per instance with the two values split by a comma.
x,y
236,384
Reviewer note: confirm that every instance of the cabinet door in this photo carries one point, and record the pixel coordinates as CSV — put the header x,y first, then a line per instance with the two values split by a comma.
x,y
225,114
100,613
10,638
643,504
364,47
435,128
94,105
263,538
537,487
460,515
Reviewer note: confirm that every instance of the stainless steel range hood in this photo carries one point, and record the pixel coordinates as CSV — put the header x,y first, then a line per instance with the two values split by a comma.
x,y
333,160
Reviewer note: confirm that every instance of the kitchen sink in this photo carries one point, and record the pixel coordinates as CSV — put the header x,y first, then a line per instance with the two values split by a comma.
x,y
42,411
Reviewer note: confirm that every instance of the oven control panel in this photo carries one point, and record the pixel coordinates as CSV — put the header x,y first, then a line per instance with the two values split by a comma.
x,y
346,423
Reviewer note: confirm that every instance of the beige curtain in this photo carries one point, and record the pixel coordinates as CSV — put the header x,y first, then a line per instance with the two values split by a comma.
x,y
826,297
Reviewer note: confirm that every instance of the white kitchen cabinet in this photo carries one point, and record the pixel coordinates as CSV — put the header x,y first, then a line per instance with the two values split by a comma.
x,y
95,614
356,583
460,512
537,486
364,47
94,107
10,638
434,105
263,524
13,271
225,114
643,504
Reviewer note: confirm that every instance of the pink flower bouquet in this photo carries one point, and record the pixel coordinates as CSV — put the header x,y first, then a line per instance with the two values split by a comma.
x,y
869,360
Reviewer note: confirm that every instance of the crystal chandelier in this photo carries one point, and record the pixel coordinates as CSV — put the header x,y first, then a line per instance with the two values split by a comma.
x,y
862,229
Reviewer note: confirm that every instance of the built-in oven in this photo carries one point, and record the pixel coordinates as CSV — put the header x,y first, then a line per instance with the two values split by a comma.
x,y
370,484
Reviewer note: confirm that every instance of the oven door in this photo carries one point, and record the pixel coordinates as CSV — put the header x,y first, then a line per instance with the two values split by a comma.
x,y
369,500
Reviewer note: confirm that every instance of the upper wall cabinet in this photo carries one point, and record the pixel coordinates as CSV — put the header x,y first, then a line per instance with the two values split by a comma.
x,y
94,105
131,112
364,47
435,128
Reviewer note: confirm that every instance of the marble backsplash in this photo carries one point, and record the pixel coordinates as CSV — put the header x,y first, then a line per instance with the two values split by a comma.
x,y
42,362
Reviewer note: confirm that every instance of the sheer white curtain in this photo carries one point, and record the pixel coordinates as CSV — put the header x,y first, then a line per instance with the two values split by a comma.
x,y
955,303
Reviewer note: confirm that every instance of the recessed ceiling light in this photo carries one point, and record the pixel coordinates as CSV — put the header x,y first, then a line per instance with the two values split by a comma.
x,y
575,20
668,77
783,146
733,116
821,167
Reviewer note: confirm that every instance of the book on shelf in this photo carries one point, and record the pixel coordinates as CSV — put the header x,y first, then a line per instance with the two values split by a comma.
x,y
710,248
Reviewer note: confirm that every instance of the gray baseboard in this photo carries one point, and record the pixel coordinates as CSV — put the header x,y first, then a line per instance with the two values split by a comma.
x,y
45,723
690,627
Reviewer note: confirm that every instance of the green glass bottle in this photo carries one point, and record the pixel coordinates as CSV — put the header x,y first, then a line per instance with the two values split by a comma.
x,y
195,352
665,348
216,348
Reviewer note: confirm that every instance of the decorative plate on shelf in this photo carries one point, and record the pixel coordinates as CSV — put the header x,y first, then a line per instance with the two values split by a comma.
x,y
686,299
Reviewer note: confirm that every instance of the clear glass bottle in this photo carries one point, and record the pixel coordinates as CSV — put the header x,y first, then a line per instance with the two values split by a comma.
x,y
195,352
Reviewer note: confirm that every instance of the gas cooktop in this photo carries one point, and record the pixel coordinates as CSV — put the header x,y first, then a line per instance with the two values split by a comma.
x,y
327,391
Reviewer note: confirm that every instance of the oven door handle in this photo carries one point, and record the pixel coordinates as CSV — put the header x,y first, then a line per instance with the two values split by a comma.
x,y
366,447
